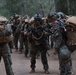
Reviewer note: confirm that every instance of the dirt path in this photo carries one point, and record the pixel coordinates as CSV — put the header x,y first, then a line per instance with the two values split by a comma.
x,y
21,65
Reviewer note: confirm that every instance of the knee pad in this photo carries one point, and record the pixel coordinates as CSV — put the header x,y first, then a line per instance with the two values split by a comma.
x,y
64,53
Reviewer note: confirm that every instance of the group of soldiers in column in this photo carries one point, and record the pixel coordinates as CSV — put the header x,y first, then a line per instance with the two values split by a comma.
x,y
33,37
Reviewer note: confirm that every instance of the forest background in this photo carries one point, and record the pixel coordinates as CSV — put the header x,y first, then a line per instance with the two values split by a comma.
x,y
30,7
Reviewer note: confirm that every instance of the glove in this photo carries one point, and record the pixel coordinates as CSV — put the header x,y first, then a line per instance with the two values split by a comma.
x,y
55,52
25,33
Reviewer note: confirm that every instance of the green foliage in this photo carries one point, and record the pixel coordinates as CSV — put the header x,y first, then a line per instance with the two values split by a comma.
x,y
66,6
23,7
30,7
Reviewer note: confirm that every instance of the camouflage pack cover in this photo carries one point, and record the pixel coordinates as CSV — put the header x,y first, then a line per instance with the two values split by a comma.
x,y
3,19
4,38
31,20
71,33
71,38
71,20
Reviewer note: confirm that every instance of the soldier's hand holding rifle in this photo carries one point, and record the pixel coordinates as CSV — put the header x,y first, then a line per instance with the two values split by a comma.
x,y
54,53
25,33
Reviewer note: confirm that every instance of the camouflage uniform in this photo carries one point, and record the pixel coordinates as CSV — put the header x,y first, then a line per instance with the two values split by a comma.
x,y
41,46
15,29
38,40
63,51
48,28
24,39
5,53
4,48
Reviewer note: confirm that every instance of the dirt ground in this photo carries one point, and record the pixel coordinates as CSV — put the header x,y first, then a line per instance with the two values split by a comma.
x,y
21,65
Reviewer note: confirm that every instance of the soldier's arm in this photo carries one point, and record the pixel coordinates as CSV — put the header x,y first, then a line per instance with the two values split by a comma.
x,y
28,31
57,35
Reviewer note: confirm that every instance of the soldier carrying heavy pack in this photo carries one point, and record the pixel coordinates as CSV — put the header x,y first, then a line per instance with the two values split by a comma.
x,y
61,48
38,42
24,39
15,20
4,48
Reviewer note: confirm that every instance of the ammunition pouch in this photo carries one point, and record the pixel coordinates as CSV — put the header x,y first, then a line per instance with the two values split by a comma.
x,y
5,39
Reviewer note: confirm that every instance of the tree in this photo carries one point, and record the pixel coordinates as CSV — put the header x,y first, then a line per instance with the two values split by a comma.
x,y
66,6
61,6
23,7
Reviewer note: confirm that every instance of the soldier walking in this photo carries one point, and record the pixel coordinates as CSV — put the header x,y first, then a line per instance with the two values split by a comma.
x,y
4,48
38,42
61,48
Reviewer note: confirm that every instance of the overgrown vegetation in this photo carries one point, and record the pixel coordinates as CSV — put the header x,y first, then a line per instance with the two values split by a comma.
x,y
30,7
22,7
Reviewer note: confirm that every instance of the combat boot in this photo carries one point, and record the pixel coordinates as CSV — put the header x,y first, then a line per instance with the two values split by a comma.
x,y
26,54
16,50
46,71
62,74
69,74
32,71
72,73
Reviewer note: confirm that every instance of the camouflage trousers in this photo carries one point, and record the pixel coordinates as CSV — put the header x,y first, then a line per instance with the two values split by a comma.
x,y
16,39
5,53
65,64
42,51
24,42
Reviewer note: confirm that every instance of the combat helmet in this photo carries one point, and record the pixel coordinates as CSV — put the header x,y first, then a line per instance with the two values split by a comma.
x,y
3,20
51,16
38,20
60,15
37,17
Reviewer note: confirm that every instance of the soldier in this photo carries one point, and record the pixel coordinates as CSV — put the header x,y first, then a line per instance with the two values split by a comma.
x,y
16,31
50,20
24,39
61,18
4,48
38,42
61,48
